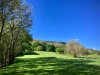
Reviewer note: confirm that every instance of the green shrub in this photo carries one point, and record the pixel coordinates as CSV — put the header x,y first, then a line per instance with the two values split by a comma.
x,y
39,48
34,48
50,47
36,44
59,50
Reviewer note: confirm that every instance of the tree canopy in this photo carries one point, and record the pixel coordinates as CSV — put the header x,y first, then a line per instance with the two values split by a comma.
x,y
15,21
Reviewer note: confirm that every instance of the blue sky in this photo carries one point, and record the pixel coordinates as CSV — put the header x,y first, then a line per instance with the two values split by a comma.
x,y
63,20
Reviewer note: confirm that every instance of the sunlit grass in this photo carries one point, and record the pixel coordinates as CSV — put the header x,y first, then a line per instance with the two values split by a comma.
x,y
49,63
47,54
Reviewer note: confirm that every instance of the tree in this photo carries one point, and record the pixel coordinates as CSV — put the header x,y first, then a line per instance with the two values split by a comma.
x,y
73,47
50,47
44,45
39,48
14,23
36,44
59,50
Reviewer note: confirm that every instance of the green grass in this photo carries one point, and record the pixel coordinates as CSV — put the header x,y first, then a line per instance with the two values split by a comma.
x,y
95,58
49,63
39,54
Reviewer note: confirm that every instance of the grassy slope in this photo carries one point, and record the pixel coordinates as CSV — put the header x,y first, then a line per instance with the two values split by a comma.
x,y
49,63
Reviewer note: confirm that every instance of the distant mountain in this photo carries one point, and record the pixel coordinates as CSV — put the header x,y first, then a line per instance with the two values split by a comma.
x,y
56,43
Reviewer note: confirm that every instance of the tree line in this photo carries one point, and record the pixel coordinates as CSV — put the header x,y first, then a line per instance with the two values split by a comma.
x,y
15,21
72,47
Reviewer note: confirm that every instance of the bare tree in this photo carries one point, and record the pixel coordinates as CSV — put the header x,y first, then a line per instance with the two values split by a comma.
x,y
73,47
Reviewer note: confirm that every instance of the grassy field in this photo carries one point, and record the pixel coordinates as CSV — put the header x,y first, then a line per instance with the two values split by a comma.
x,y
49,63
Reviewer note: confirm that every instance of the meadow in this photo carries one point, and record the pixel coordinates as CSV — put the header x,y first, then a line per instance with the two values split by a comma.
x,y
50,63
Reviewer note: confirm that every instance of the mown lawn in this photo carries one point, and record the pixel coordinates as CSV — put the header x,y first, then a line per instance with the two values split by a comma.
x,y
49,63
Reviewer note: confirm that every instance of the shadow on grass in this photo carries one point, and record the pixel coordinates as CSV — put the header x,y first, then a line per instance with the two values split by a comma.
x,y
27,53
51,66
89,57
30,53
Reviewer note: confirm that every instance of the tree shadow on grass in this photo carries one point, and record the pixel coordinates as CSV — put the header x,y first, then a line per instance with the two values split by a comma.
x,y
51,66
30,53
27,53
89,57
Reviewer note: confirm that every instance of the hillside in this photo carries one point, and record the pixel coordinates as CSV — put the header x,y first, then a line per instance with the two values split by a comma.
x,y
59,44
56,43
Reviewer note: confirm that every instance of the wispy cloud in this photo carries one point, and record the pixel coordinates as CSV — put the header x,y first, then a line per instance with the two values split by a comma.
x,y
77,39
94,48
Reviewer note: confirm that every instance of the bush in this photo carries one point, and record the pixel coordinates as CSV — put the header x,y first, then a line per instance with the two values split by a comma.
x,y
36,44
39,48
59,50
26,46
34,49
44,45
50,47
